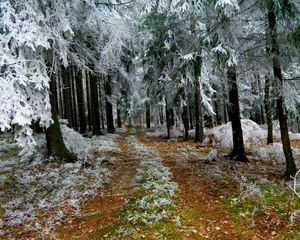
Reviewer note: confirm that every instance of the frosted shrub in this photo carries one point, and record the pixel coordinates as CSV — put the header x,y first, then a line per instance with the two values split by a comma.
x,y
74,142
248,189
222,135
272,152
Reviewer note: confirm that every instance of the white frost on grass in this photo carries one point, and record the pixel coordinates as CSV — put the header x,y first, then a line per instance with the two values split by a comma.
x,y
105,143
38,194
154,179
222,135
162,132
43,192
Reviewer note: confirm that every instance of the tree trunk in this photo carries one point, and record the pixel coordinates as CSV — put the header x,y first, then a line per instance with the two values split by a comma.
x,y
80,99
198,103
55,144
238,152
101,105
260,89
185,122
168,120
119,115
191,118
148,114
268,110
290,163
67,96
88,99
161,115
74,100
108,106
95,105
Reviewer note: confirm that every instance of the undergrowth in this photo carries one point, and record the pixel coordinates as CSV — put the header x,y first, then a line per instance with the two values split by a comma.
x,y
152,203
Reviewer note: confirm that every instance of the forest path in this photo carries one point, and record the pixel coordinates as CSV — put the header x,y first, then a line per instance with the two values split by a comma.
x,y
200,200
100,213
199,213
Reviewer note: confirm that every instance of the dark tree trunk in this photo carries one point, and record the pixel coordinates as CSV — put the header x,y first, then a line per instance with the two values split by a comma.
x,y
198,103
119,115
80,99
95,105
67,96
290,162
101,105
74,100
148,115
185,120
108,105
268,109
168,120
55,144
191,118
238,152
88,98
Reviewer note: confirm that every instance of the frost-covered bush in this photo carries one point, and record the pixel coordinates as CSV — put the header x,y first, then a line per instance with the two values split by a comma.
x,y
248,189
75,142
222,135
161,131
270,152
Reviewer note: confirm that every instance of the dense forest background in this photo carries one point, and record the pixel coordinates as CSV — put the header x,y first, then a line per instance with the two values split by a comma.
x,y
183,67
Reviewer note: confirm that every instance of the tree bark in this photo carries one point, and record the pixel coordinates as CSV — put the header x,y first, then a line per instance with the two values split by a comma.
x,y
119,115
148,114
55,144
168,120
290,162
74,99
80,99
108,105
95,105
185,122
67,96
198,103
238,152
88,98
191,118
268,109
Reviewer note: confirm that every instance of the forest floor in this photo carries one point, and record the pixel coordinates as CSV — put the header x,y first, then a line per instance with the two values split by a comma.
x,y
222,199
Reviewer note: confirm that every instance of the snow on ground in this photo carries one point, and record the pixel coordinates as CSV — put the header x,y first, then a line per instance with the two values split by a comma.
x,y
36,195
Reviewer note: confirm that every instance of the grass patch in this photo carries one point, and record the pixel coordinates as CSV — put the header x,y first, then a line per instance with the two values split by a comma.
x,y
11,153
270,209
